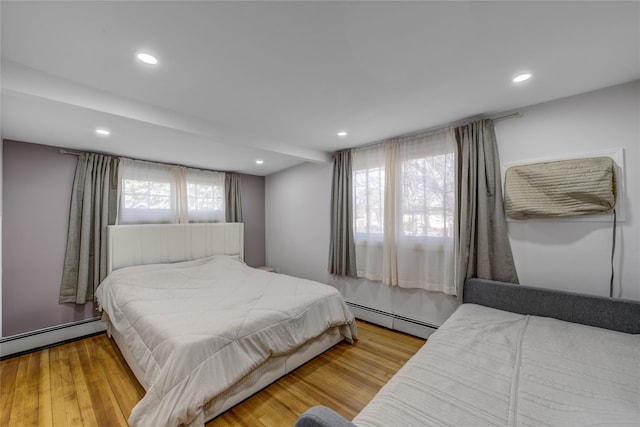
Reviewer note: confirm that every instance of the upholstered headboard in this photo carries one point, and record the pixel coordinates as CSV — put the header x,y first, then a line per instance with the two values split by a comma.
x,y
130,245
602,312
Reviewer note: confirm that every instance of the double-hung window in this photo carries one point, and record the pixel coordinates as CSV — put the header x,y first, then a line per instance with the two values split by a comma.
x,y
368,169
205,196
160,193
427,191
404,211
147,193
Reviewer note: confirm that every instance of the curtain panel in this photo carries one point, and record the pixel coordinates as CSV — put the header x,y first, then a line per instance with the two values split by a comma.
x,y
147,193
342,255
482,244
368,198
204,200
404,211
427,211
160,193
93,207
233,201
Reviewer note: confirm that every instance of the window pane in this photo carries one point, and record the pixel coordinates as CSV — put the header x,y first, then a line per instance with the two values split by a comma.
x,y
135,201
428,196
191,190
205,195
160,188
368,207
136,186
159,202
205,191
140,194
147,192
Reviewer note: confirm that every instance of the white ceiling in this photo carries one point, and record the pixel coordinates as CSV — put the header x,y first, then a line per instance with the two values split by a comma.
x,y
239,81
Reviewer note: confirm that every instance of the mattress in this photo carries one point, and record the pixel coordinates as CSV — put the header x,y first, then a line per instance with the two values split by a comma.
x,y
197,328
490,367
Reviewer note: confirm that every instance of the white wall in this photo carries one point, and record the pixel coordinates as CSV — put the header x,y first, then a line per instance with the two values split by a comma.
x,y
297,242
1,175
567,255
575,255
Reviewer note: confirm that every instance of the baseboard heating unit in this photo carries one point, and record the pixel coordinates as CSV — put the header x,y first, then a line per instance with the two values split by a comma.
x,y
16,345
393,321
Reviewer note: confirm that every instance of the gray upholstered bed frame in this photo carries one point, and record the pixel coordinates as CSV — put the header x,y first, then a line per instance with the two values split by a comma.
x,y
608,313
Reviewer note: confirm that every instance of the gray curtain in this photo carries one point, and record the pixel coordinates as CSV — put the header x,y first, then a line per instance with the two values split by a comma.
x,y
342,252
233,199
482,244
93,207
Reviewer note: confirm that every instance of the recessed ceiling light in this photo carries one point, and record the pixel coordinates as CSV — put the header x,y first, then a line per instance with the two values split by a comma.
x,y
146,58
342,133
259,162
103,132
521,77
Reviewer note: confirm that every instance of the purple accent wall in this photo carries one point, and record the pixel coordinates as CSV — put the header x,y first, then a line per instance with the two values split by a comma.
x,y
252,188
37,183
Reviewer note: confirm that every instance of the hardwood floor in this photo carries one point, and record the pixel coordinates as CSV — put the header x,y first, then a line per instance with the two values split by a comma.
x,y
88,383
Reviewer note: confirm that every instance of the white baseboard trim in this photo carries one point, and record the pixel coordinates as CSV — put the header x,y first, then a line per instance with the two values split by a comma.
x,y
46,337
393,321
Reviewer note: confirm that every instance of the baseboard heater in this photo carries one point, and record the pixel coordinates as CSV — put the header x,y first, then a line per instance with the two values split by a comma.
x,y
392,320
16,345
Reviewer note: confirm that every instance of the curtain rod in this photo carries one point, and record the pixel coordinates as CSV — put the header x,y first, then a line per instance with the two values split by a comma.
x,y
73,153
506,116
495,118
77,153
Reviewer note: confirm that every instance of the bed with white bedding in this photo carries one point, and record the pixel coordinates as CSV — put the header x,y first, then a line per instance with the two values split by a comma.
x,y
202,335
491,367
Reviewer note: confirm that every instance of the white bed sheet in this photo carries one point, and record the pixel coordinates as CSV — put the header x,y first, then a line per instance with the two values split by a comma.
x,y
198,327
486,367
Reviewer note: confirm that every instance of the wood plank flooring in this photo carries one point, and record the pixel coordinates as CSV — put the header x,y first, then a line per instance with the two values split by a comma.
x,y
88,383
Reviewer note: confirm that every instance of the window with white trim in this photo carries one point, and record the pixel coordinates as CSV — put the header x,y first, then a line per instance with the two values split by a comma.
x,y
368,193
404,210
428,196
147,193
205,196
160,193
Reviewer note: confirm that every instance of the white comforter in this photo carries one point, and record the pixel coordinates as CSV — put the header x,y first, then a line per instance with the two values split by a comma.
x,y
198,327
487,367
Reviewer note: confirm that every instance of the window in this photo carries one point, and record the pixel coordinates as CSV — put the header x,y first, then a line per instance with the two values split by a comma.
x,y
205,196
368,191
428,196
404,211
148,193
141,194
159,193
